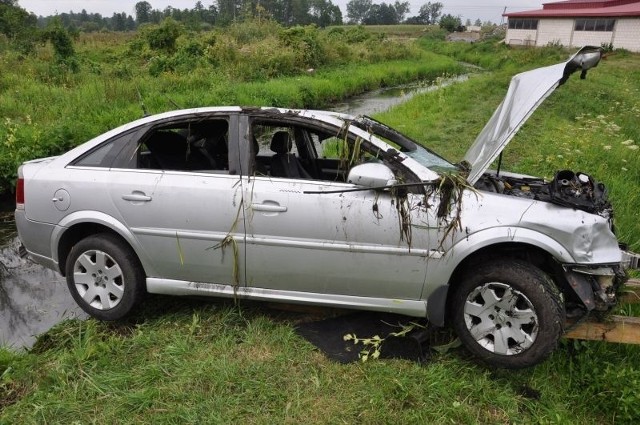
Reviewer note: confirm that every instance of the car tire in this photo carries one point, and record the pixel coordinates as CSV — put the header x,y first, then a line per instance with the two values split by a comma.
x,y
508,314
105,277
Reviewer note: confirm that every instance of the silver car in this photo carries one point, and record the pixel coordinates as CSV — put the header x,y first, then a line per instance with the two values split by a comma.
x,y
321,208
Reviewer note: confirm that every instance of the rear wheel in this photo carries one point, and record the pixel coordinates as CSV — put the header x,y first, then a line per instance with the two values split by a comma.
x,y
509,314
104,277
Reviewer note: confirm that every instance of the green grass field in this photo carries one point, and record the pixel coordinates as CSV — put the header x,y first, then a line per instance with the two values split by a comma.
x,y
180,361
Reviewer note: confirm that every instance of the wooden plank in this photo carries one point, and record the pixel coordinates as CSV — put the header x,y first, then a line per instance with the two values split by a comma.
x,y
630,292
620,329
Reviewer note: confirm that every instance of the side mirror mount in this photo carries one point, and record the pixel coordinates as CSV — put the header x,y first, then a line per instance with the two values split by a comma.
x,y
371,175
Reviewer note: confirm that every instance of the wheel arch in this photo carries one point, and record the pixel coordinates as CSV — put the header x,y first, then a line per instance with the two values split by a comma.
x,y
488,245
79,225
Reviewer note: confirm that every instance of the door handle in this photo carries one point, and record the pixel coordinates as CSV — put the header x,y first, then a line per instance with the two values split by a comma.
x,y
269,207
137,197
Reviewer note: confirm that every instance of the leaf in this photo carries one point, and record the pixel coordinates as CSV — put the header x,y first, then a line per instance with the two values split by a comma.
x,y
446,347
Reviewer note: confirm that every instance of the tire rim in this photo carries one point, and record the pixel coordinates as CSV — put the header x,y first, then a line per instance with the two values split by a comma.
x,y
98,279
501,319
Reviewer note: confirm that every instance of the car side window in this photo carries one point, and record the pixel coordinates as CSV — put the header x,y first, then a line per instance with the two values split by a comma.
x,y
97,157
304,152
200,146
103,155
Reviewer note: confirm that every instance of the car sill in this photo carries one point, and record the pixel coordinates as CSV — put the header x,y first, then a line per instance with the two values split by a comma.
x,y
416,308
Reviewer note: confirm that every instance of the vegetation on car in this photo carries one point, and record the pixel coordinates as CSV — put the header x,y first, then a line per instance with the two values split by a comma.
x,y
185,361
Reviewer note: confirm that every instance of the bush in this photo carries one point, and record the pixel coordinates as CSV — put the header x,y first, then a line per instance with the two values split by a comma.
x,y
164,36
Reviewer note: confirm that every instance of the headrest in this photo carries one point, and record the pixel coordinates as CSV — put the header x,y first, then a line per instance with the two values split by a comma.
x,y
280,142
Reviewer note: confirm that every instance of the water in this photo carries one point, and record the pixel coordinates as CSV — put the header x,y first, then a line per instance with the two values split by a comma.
x,y
381,100
33,299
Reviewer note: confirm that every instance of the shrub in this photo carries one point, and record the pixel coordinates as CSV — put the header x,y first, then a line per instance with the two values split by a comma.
x,y
163,36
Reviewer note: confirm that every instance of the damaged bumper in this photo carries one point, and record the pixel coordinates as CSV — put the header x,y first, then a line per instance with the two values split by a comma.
x,y
597,286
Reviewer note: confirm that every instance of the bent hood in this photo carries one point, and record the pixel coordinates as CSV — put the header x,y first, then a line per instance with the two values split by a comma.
x,y
526,92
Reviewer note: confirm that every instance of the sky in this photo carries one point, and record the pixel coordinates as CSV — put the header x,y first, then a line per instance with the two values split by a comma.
x,y
485,10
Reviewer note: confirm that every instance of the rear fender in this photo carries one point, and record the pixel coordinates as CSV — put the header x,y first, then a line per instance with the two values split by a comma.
x,y
95,217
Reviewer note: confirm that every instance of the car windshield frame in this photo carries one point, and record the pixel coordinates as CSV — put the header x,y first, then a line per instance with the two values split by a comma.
x,y
423,155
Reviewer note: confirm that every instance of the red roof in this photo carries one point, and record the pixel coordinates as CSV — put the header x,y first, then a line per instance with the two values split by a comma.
x,y
582,8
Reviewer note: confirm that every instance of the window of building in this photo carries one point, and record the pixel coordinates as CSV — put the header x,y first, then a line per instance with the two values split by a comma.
x,y
594,24
523,24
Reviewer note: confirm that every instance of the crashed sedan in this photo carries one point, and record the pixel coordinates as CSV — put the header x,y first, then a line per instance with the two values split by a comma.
x,y
321,208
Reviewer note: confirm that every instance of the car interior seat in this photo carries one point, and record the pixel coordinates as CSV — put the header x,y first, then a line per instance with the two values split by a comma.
x,y
284,163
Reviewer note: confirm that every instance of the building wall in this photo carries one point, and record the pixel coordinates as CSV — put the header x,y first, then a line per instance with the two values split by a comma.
x,y
591,38
626,34
521,37
552,31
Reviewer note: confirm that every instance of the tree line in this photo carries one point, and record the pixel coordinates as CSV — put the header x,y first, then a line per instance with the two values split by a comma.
x,y
14,19
24,29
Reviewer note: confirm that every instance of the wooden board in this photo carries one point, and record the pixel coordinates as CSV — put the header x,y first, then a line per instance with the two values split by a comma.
x,y
620,329
630,292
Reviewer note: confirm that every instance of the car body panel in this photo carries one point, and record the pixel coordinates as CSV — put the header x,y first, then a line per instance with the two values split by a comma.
x,y
323,238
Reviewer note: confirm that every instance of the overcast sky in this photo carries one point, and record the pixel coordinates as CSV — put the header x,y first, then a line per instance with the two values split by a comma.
x,y
486,10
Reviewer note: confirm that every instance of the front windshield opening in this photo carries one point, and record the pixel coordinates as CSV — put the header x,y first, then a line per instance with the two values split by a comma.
x,y
404,144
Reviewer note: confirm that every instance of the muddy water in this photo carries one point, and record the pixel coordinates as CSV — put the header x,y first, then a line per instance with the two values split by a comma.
x,y
33,299
381,100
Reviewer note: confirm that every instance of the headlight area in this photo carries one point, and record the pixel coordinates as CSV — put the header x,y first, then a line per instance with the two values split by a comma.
x,y
630,260
595,286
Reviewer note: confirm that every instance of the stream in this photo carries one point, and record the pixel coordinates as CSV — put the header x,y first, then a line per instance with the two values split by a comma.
x,y
33,299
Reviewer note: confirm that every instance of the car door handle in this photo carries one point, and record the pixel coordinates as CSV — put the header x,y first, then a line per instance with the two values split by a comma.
x,y
273,207
137,197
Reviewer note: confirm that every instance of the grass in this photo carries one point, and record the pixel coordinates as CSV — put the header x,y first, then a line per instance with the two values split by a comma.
x,y
189,362
186,361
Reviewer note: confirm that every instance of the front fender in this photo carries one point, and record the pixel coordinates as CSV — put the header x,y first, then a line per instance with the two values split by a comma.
x,y
440,271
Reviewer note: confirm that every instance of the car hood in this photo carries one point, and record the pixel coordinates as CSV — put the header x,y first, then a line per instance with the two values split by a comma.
x,y
526,92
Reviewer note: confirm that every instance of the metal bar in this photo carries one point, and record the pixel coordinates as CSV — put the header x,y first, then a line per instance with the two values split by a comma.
x,y
620,329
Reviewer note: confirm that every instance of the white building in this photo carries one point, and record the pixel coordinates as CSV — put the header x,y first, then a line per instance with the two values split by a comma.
x,y
576,23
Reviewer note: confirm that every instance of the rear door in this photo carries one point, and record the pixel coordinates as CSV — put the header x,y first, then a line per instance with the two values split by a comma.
x,y
183,204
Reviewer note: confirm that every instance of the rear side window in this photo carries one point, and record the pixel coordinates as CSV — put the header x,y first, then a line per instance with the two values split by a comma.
x,y
102,156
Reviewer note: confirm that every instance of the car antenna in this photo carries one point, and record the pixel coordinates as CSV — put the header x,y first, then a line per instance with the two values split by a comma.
x,y
145,113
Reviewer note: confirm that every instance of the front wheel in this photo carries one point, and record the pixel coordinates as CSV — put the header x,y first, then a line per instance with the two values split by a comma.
x,y
105,277
509,314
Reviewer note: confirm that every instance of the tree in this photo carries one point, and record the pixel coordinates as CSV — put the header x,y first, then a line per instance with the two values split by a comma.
x,y
228,11
478,23
143,12
119,21
324,13
429,13
18,25
451,23
62,43
358,10
401,8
